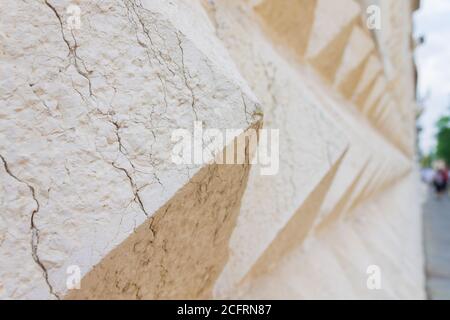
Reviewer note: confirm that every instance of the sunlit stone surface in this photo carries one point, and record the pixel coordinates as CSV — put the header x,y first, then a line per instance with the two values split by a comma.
x,y
87,178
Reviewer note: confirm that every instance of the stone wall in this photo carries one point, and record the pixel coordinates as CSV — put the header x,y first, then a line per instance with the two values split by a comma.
x,y
88,181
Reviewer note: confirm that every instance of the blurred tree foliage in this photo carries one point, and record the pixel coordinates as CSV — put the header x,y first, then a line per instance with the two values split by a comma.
x,y
443,139
427,161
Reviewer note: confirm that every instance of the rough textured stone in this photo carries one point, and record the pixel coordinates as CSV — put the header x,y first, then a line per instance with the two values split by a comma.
x,y
86,176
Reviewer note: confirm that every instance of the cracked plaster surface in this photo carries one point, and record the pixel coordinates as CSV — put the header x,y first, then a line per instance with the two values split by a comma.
x,y
85,173
86,120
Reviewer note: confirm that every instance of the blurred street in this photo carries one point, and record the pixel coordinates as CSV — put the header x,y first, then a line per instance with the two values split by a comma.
x,y
437,246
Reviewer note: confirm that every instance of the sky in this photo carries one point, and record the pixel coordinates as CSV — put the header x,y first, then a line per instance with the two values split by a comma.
x,y
433,64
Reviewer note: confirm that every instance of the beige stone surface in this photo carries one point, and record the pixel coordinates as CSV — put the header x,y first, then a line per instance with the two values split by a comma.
x,y
180,251
86,176
87,117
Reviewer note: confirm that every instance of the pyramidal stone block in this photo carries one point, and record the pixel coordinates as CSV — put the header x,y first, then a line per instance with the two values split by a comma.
x,y
207,150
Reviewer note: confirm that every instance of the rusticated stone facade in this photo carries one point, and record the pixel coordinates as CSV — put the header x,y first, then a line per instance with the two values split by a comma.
x,y
87,177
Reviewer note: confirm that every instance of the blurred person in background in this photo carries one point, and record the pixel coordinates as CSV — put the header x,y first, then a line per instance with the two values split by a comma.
x,y
440,179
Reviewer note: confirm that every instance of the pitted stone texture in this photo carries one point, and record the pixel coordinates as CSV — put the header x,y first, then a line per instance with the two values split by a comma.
x,y
87,116
366,169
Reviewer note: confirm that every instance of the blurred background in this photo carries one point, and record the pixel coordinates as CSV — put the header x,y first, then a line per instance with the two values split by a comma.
x,y
432,33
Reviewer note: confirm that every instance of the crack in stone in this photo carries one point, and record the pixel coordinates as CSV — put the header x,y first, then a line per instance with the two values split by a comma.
x,y
123,151
157,54
247,114
184,73
131,6
72,49
34,230
137,198
135,189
